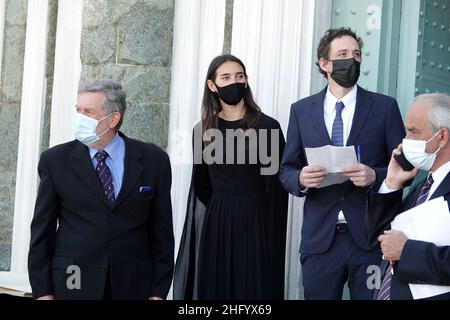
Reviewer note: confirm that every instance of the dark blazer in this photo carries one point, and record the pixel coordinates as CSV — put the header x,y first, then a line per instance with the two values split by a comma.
x,y
421,262
377,128
74,225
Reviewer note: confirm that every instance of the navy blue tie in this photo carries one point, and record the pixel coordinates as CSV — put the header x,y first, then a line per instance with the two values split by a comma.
x,y
104,174
337,133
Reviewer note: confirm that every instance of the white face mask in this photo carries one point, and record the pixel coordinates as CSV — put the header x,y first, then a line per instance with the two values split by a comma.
x,y
414,151
84,128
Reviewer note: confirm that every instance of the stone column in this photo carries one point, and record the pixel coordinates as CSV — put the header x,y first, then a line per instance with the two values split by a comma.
x,y
10,96
130,41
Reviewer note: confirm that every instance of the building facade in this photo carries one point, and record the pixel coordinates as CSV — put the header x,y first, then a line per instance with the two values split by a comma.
x,y
159,50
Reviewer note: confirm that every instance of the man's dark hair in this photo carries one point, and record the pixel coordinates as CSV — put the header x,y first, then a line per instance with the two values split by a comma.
x,y
330,35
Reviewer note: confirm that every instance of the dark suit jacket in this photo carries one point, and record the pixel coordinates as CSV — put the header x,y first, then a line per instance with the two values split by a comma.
x,y
421,262
377,128
74,225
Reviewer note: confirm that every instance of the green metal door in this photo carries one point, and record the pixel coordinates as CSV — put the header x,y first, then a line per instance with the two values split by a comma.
x,y
406,45
433,48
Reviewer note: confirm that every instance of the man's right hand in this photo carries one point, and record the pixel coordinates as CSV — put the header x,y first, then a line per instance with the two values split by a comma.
x,y
396,176
47,297
311,177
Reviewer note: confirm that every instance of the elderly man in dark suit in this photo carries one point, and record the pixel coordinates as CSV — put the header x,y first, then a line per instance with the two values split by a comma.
x,y
427,147
102,226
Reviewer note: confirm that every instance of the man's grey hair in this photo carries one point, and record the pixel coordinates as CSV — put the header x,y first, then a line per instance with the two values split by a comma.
x,y
440,109
115,97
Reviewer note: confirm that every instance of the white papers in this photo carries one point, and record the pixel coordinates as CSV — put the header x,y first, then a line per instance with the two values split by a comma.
x,y
429,222
333,159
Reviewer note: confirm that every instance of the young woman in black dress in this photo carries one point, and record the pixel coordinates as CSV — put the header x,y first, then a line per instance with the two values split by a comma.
x,y
233,243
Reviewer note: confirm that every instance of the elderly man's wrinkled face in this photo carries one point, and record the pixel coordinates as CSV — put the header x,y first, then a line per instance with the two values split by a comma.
x,y
418,126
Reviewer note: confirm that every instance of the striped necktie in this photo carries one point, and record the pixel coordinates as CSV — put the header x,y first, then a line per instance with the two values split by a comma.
x,y
385,290
104,174
423,195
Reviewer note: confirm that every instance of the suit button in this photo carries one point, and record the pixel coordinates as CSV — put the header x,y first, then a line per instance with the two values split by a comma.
x,y
110,242
342,198
111,215
103,269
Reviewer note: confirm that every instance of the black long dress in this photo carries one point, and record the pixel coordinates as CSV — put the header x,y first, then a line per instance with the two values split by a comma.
x,y
240,249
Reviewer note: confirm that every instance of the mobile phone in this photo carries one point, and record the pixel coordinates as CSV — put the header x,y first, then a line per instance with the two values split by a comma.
x,y
403,162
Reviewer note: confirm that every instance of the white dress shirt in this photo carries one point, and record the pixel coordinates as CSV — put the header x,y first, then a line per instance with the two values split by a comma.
x,y
329,113
438,176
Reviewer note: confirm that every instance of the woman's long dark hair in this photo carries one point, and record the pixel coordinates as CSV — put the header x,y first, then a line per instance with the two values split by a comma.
x,y
211,104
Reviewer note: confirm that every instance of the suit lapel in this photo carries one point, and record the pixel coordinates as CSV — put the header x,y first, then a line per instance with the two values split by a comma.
x,y
82,165
317,117
412,198
362,108
132,169
442,190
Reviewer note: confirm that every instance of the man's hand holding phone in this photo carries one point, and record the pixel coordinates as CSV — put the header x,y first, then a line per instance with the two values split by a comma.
x,y
397,175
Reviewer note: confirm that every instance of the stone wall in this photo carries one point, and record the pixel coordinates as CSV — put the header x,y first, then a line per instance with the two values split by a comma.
x,y
136,49
51,41
126,40
10,97
228,32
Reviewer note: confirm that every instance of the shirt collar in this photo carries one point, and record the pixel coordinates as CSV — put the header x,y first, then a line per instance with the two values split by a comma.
x,y
111,148
440,173
348,100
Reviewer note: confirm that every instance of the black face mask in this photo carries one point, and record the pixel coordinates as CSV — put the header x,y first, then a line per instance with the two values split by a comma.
x,y
346,72
233,93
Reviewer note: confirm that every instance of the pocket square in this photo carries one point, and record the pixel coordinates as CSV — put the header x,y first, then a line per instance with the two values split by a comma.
x,y
145,189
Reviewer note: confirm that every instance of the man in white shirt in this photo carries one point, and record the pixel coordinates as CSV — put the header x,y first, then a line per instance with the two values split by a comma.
x,y
334,247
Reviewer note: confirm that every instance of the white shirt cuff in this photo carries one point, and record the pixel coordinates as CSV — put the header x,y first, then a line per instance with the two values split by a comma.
x,y
385,189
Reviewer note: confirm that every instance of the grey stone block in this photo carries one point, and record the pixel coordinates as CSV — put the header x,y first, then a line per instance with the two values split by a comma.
x,y
88,72
147,123
228,27
145,35
98,45
51,36
145,85
106,12
9,131
5,256
13,59
16,12
103,71
7,190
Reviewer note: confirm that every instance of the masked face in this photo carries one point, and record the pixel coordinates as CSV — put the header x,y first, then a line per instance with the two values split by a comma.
x,y
233,93
346,72
414,151
84,128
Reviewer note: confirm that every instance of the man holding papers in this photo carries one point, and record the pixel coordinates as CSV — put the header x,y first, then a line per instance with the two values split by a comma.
x,y
418,267
334,247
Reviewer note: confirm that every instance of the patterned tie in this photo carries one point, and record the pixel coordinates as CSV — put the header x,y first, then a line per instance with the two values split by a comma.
x,y
423,195
337,133
105,176
385,290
